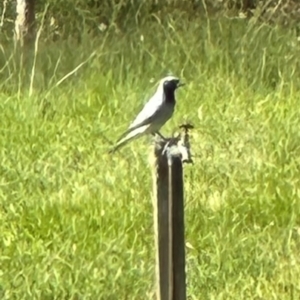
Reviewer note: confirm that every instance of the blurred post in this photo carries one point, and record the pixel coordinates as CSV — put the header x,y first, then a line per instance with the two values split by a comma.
x,y
24,24
169,155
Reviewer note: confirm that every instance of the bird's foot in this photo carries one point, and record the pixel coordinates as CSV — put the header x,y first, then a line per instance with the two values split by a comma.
x,y
170,142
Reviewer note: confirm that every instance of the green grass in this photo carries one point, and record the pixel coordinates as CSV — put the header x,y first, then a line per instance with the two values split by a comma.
x,y
76,223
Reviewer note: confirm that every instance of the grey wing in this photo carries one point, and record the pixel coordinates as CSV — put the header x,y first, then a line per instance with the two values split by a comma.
x,y
149,111
146,116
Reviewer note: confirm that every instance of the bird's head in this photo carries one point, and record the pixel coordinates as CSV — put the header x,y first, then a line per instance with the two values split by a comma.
x,y
170,84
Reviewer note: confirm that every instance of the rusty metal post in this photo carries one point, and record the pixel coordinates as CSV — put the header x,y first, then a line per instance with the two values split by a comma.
x,y
169,156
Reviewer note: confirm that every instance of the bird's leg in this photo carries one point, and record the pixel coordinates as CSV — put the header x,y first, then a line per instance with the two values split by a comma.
x,y
167,143
159,134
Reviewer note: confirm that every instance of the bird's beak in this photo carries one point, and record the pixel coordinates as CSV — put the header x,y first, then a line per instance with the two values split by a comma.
x,y
179,84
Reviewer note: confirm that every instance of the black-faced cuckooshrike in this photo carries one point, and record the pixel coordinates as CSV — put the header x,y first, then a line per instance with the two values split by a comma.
x,y
156,112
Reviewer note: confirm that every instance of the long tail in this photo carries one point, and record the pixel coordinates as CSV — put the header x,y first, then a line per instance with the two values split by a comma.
x,y
129,137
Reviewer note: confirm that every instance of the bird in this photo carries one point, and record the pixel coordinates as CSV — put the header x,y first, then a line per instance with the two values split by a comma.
x,y
156,112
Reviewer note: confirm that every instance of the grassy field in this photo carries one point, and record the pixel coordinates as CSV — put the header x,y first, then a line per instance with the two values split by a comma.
x,y
77,223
